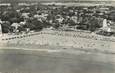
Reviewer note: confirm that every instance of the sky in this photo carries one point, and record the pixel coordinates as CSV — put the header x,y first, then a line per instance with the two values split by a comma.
x,y
52,0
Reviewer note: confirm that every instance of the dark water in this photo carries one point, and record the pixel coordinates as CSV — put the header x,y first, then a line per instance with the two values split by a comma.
x,y
20,61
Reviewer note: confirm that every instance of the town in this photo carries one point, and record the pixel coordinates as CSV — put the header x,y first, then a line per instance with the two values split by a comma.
x,y
35,17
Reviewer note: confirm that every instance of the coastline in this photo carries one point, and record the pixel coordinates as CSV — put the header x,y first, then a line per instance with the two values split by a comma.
x,y
62,40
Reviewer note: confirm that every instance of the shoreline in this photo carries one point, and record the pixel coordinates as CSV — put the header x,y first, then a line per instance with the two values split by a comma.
x,y
56,40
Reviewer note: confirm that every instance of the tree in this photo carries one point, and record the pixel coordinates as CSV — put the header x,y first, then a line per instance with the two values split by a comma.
x,y
6,27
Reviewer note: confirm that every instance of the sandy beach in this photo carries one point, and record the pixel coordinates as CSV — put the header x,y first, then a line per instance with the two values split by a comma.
x,y
62,40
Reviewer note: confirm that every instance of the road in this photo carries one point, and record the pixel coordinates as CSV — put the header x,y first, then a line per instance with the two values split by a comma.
x,y
23,61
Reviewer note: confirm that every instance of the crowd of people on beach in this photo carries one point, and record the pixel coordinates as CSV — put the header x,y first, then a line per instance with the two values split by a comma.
x,y
25,18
